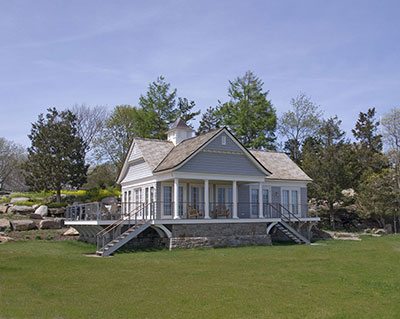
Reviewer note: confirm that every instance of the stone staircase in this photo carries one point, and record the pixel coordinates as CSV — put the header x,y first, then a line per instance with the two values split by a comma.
x,y
122,239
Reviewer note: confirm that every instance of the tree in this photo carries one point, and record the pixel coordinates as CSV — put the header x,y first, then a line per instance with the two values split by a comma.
x,y
101,176
159,107
377,197
56,155
298,124
249,114
90,122
185,110
209,121
11,158
326,160
368,147
120,128
391,134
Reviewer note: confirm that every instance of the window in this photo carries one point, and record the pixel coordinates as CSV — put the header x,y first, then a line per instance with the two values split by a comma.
x,y
221,196
129,201
266,208
254,201
295,203
223,139
195,195
180,198
285,201
167,200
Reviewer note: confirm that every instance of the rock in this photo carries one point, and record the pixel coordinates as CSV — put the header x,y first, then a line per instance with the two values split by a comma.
x,y
4,208
57,211
24,210
35,216
4,224
42,211
49,224
19,199
5,239
348,192
388,229
61,221
23,224
35,206
71,232
109,200
344,235
380,231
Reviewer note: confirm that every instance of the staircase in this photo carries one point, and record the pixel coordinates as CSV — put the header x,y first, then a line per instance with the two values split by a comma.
x,y
110,238
290,232
284,225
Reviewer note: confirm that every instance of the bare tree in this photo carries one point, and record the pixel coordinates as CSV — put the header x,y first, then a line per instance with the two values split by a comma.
x,y
299,123
90,122
391,135
11,158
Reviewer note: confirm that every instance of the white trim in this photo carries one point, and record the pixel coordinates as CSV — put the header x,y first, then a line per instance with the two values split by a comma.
x,y
206,199
217,177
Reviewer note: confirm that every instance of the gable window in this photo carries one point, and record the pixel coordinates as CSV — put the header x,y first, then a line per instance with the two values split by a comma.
x,y
223,139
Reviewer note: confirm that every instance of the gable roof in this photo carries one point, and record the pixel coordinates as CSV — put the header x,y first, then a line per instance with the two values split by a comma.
x,y
153,152
281,166
184,149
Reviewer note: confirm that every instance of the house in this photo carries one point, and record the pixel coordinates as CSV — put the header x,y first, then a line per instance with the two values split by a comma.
x,y
201,191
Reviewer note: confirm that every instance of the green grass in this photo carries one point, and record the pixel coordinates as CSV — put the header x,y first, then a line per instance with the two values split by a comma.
x,y
344,279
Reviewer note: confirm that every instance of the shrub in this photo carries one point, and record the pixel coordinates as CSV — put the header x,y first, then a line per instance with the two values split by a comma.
x,y
49,237
27,237
38,237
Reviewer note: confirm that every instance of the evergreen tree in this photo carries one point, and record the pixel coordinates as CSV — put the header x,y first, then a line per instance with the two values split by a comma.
x,y
185,110
209,121
326,161
249,114
160,107
56,158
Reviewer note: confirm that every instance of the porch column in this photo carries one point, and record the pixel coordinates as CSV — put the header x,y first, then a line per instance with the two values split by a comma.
x,y
176,198
260,200
206,199
235,202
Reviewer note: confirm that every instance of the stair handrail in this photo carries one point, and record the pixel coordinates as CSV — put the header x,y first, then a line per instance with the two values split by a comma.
x,y
289,213
119,222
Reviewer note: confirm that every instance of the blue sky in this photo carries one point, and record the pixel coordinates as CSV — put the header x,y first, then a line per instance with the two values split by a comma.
x,y
344,54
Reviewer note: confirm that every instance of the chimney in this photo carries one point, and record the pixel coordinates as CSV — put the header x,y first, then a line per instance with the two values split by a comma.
x,y
179,132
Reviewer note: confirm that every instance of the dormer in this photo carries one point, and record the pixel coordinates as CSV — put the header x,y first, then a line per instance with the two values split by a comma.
x,y
179,132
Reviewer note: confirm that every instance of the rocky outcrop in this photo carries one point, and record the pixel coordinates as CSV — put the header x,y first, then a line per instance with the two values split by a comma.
x,y
5,239
42,211
23,224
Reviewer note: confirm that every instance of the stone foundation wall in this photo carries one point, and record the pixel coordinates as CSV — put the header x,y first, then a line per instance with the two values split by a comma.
x,y
218,235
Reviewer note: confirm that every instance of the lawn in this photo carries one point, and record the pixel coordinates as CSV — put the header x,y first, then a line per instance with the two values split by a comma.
x,y
345,279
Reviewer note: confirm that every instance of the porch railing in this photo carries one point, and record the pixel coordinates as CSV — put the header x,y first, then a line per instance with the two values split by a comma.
x,y
186,210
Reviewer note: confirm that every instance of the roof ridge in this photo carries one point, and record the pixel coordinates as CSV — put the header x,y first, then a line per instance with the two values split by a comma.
x,y
151,139
266,151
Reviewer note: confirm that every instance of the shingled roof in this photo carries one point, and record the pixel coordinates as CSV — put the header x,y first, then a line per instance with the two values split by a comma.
x,y
154,151
281,166
180,124
183,150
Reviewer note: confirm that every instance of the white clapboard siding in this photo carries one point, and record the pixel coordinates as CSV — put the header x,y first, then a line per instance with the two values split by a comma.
x,y
137,170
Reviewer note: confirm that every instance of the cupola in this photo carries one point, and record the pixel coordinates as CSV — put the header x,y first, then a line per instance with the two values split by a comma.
x,y
179,132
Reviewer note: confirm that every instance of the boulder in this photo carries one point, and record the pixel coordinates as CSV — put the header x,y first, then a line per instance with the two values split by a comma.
x,y
35,216
42,211
4,224
23,224
24,210
109,200
57,211
49,224
71,232
4,208
5,239
380,231
35,206
61,221
19,199
388,229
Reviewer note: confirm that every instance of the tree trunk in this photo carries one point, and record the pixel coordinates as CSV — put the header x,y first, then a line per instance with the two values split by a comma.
x,y
332,217
58,194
